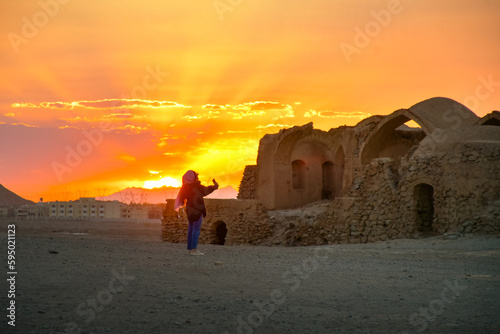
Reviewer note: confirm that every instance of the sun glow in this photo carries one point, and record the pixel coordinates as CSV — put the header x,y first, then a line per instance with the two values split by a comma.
x,y
162,182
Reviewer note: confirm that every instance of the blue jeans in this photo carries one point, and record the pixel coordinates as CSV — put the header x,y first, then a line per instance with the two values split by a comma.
x,y
194,229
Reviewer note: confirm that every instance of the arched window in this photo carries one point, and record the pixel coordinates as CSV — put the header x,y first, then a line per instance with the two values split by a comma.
x,y
298,174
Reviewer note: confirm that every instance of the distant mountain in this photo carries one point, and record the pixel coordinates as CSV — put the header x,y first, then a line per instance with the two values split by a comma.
x,y
8,198
224,193
142,195
159,195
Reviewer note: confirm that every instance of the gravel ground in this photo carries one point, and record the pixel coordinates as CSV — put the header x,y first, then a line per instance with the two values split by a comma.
x,y
120,278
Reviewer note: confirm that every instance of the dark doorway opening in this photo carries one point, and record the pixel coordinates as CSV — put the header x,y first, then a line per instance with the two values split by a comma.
x,y
424,205
220,233
327,191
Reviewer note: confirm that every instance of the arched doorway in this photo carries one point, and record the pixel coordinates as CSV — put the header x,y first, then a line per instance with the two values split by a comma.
x,y
423,196
219,233
327,190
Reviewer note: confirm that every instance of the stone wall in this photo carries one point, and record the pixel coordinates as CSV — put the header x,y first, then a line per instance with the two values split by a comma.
x,y
244,220
248,182
385,199
465,175
486,220
370,215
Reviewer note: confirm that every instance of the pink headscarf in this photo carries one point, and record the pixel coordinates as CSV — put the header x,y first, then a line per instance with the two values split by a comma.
x,y
189,177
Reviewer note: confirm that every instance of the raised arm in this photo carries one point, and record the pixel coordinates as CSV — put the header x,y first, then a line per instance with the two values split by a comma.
x,y
210,189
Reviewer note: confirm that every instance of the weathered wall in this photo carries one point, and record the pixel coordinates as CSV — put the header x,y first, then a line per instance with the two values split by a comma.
x,y
276,188
275,174
464,171
248,183
245,221
384,203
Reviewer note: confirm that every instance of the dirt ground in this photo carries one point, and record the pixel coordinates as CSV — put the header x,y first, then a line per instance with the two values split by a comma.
x,y
121,278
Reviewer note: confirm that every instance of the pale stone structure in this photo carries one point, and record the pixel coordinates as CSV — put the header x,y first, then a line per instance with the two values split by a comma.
x,y
374,181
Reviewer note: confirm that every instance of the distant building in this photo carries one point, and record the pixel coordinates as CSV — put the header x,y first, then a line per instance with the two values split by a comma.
x,y
88,208
84,208
136,211
37,211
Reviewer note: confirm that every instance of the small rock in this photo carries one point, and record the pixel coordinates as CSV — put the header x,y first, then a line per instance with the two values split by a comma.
x,y
451,236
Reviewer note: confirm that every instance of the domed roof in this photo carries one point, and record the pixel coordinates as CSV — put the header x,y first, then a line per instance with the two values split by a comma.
x,y
443,113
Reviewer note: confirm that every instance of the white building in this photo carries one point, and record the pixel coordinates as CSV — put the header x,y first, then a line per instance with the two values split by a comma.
x,y
85,208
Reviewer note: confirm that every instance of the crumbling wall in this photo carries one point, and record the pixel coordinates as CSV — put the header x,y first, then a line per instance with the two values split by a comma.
x,y
383,203
370,214
248,183
486,220
245,221
465,175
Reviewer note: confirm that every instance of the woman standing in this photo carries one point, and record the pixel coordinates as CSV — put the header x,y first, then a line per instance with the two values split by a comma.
x,y
191,195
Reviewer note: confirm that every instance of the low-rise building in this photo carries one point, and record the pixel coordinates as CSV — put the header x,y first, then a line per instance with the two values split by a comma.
x,y
88,208
37,211
84,208
135,211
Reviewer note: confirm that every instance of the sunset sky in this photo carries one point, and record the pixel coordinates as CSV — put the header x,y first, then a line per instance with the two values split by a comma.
x,y
112,94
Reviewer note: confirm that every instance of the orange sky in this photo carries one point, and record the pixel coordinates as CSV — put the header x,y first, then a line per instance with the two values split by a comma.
x,y
164,86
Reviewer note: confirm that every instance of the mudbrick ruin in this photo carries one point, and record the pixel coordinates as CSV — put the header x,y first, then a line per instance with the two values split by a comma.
x,y
377,180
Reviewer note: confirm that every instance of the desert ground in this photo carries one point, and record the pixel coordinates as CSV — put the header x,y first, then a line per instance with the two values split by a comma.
x,y
103,277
